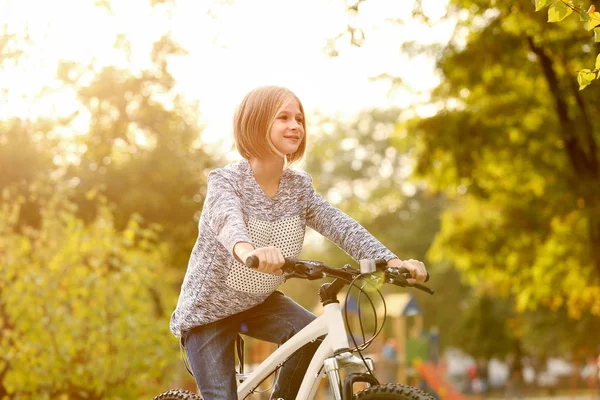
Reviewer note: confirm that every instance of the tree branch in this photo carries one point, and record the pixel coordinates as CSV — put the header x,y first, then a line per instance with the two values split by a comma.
x,y
585,166
577,156
588,131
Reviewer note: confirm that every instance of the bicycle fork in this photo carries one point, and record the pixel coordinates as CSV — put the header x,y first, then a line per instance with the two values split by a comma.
x,y
356,369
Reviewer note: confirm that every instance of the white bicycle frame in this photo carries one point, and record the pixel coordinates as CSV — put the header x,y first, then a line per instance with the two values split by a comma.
x,y
330,323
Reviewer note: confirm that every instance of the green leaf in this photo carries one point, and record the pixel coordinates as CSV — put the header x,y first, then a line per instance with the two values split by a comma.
x,y
596,35
584,16
598,62
539,4
585,78
594,20
558,11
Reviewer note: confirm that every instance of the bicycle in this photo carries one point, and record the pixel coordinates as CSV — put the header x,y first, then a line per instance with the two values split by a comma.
x,y
333,354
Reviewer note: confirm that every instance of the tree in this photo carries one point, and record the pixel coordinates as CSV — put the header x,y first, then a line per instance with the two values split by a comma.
x,y
25,157
515,146
552,333
488,327
118,238
140,150
78,314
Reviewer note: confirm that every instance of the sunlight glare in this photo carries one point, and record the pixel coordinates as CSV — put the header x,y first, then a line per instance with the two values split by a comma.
x,y
237,48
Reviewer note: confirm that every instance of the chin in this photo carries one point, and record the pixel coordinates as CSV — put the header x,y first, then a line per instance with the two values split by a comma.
x,y
288,150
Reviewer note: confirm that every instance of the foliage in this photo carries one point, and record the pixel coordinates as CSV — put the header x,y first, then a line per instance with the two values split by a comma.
x,y
490,326
101,225
487,327
130,136
559,10
363,168
514,145
141,146
81,309
359,169
23,150
27,149
552,333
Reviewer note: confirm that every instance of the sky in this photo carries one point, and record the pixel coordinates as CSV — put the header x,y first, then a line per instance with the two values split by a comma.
x,y
232,47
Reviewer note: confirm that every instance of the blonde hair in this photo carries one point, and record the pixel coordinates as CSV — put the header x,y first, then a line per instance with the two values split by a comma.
x,y
253,120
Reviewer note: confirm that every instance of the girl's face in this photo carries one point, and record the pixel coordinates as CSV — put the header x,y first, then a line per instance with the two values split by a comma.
x,y
287,131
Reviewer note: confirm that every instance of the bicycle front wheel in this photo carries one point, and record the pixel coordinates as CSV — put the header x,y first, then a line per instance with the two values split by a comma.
x,y
178,394
392,391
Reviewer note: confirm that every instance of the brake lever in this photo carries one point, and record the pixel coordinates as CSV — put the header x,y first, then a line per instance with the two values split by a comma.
x,y
422,287
406,273
402,278
307,273
293,273
290,275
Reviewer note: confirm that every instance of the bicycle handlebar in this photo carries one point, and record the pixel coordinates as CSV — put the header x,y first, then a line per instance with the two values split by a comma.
x,y
311,270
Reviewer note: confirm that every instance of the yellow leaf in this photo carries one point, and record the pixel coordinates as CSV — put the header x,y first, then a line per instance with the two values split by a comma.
x,y
594,20
558,11
539,4
585,78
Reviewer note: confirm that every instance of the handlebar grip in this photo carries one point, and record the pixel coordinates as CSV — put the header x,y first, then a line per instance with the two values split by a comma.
x,y
253,261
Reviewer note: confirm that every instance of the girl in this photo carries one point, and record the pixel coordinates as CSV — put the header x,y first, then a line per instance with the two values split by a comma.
x,y
259,207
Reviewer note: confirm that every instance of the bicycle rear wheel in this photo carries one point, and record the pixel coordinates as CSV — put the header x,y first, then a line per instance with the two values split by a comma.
x,y
392,391
177,394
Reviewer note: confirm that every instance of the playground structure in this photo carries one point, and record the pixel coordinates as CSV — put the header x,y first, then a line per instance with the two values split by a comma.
x,y
417,353
407,330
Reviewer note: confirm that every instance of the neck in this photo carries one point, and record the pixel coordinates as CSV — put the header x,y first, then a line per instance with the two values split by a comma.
x,y
267,171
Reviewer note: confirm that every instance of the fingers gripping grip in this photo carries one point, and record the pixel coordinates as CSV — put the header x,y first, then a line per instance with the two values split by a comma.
x,y
253,261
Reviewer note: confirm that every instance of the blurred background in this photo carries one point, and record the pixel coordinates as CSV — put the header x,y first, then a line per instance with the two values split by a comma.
x,y
453,130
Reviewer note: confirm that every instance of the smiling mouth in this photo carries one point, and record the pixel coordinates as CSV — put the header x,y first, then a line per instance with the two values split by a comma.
x,y
292,137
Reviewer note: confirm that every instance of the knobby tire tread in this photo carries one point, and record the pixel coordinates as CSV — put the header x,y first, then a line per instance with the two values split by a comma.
x,y
390,391
178,394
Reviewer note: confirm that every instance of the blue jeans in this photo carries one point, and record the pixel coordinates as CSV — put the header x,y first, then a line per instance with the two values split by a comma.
x,y
210,348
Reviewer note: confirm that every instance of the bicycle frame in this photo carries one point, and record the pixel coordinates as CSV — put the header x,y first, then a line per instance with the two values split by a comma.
x,y
331,324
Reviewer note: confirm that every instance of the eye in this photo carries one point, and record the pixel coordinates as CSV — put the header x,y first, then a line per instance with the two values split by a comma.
x,y
299,119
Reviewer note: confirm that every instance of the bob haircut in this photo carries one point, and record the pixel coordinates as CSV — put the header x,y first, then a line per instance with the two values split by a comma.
x,y
253,120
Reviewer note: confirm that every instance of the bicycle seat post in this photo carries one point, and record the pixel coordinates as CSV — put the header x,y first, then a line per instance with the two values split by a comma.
x,y
239,344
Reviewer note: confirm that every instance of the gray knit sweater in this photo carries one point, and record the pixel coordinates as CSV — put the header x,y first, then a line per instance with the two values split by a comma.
x,y
236,210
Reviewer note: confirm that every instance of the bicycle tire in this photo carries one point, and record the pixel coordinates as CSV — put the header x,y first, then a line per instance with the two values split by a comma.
x,y
177,394
392,391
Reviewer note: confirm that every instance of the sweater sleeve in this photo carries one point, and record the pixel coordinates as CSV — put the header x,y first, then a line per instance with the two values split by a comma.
x,y
223,208
341,229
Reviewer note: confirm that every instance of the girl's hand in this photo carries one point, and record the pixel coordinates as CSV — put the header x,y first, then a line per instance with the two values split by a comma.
x,y
270,259
416,268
